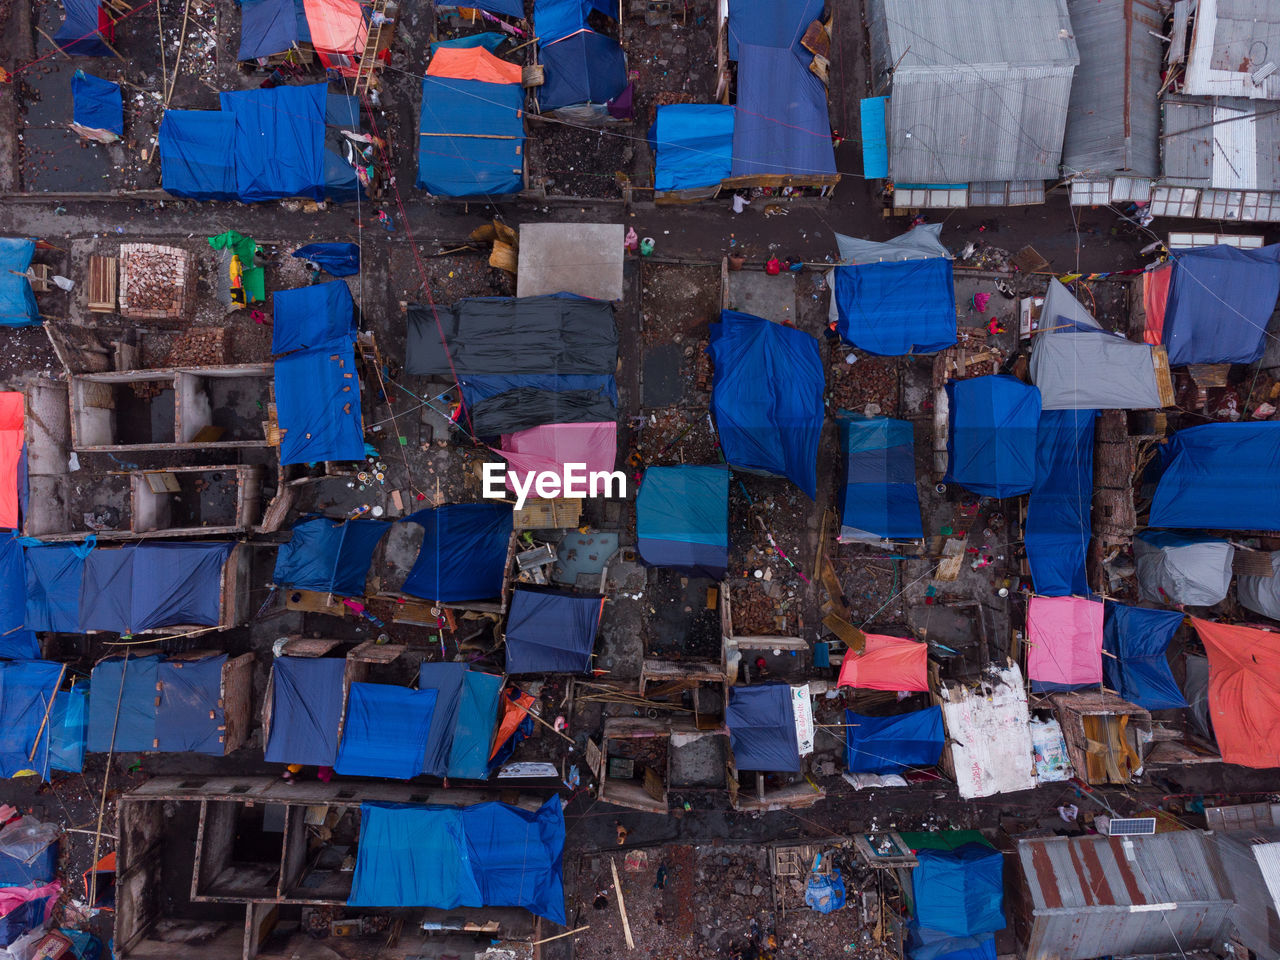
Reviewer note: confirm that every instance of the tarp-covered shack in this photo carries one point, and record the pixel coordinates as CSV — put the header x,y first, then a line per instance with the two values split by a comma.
x,y
1065,639
552,631
1261,594
318,404
1244,699
762,729
692,145
86,30
991,437
305,696
462,724
329,556
1220,476
892,745
310,316
879,500
584,68
894,308
17,300
463,554
767,397
1172,568
682,519
26,687
1058,525
1220,302
1137,669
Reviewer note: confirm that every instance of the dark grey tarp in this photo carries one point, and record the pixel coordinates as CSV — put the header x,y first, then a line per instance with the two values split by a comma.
x,y
525,407
1196,689
554,334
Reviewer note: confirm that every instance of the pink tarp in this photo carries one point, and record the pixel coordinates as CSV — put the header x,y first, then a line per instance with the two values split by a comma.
x,y
550,447
1065,634
11,898
887,663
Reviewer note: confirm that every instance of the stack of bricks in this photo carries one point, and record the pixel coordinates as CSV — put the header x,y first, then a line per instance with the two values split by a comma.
x,y
199,347
156,283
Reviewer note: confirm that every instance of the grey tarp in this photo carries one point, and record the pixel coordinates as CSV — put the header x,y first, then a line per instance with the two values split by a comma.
x,y
1080,366
527,407
920,243
1177,569
1196,691
1261,594
504,335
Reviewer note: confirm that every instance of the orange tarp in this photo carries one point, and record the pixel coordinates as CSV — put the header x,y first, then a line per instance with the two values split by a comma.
x,y
513,712
11,437
1155,297
887,663
1244,698
474,63
337,26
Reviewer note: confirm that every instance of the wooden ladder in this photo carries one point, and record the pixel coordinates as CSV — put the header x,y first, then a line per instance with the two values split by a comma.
x,y
373,45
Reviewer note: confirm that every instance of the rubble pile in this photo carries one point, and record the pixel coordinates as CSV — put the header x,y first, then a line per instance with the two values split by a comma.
x,y
200,347
154,282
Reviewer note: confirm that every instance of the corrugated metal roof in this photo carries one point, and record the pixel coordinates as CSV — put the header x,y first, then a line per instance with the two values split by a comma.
x,y
1255,917
1113,121
1227,144
979,94
1230,40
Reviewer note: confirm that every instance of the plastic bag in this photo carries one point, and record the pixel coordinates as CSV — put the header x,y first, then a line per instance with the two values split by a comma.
x,y
26,839
825,893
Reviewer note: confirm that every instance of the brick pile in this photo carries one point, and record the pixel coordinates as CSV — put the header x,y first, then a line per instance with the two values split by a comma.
x,y
200,347
156,283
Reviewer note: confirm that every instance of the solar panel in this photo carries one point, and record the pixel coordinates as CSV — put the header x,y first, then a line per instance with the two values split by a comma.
x,y
1135,827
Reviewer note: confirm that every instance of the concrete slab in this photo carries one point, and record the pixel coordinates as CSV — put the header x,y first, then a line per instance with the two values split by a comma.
x,y
757,293
581,258
662,384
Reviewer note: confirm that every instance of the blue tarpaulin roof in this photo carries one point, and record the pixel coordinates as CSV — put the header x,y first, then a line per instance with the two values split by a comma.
x,y
875,138
1058,523
198,154
329,556
1220,302
96,103
18,872
69,721
770,23
129,683
893,744
991,443
445,680
271,26
476,389
781,122
1220,476
318,404
487,855
490,40
337,259
309,316
693,145
552,631
879,500
26,687
767,397
584,67
279,140
54,572
935,945
959,892
471,138
79,34
385,734
682,519
190,717
1137,669
17,301
463,554
306,709
473,728
508,8
762,729
897,308
554,19
16,642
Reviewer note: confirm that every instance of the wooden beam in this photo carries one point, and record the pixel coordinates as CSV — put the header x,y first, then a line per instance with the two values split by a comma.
x,y
622,907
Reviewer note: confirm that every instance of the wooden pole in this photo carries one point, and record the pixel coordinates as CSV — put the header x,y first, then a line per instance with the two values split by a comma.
x,y
54,42
622,907
529,712
559,936
48,708
164,66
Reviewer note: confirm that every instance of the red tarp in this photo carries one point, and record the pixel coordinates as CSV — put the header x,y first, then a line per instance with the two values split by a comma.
x,y
1065,634
886,663
338,32
11,437
1155,297
550,447
474,63
1244,698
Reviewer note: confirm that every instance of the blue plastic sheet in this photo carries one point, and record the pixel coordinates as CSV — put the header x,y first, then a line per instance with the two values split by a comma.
x,y
1220,302
122,705
198,154
463,554
551,631
337,259
306,708
25,689
79,34
935,945
310,316
476,389
584,67
268,27
386,731
875,138
16,642
17,301
824,892
490,854
770,23
893,744
54,572
1058,525
329,556
473,729
318,405
177,584
507,8
896,308
96,103
762,729
69,723
959,892
682,519
490,40
879,500
781,120
1220,476
991,444
43,869
767,397
190,717
471,138
278,141
693,145
1138,669
445,680
556,19
106,591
